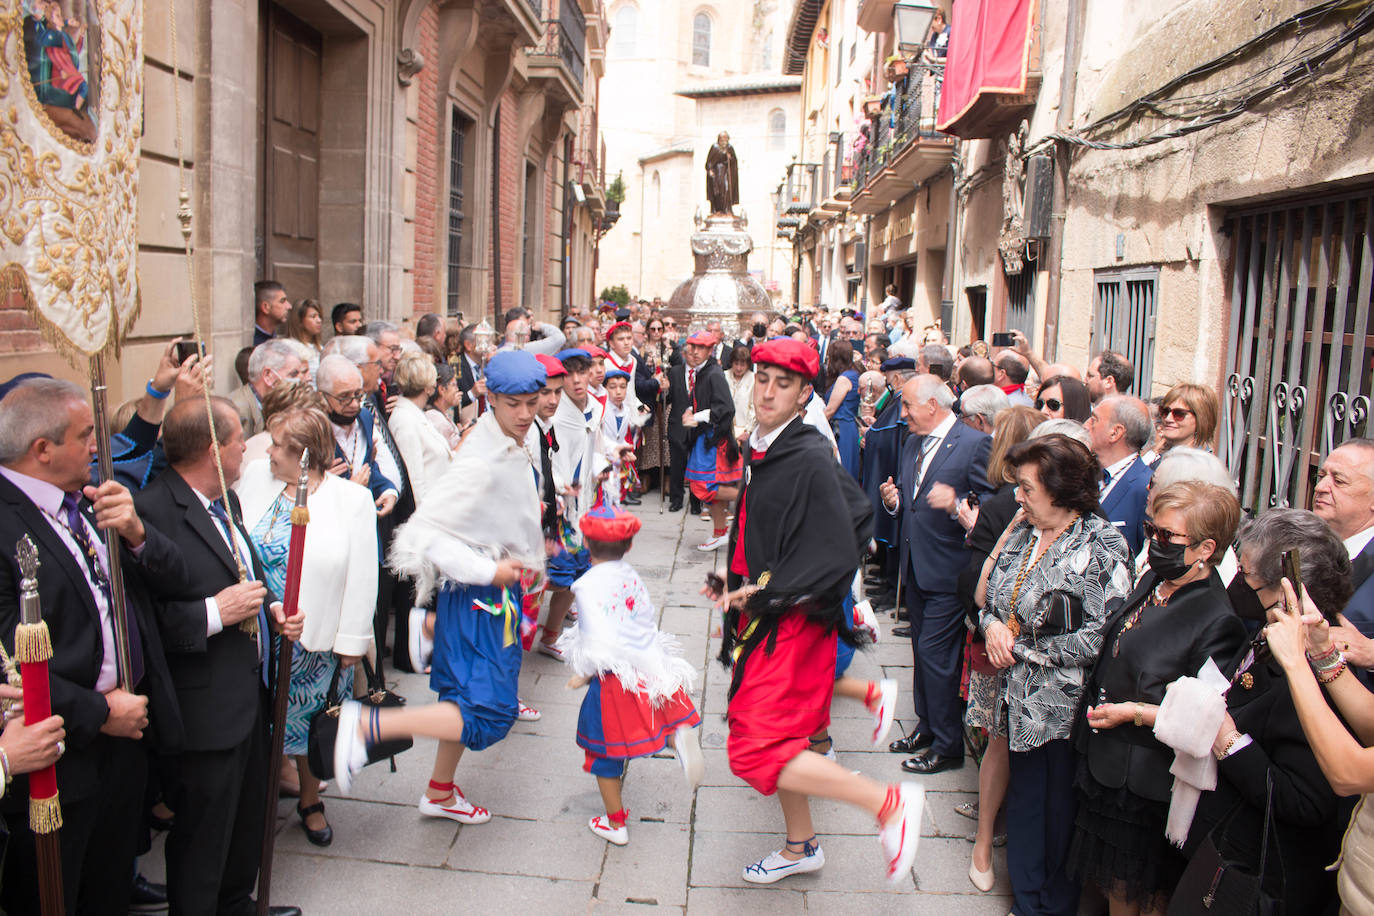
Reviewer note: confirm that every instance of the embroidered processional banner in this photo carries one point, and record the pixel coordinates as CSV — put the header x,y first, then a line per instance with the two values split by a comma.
x,y
71,111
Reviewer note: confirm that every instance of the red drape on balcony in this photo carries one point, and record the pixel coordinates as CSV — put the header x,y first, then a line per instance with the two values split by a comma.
x,y
989,50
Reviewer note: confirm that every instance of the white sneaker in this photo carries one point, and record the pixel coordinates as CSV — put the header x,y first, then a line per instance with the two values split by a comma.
x,y
714,543
902,832
603,828
460,809
687,746
775,867
527,713
886,711
421,646
350,750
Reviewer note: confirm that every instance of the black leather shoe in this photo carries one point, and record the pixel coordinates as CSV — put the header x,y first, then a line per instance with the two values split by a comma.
x,y
912,743
675,506
903,632
281,910
902,612
696,506
147,897
318,837
632,500
930,764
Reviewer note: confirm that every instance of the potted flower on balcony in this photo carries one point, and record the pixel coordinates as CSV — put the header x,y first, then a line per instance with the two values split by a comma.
x,y
897,67
615,194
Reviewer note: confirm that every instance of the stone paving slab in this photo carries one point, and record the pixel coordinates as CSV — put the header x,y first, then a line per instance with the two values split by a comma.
x,y
686,851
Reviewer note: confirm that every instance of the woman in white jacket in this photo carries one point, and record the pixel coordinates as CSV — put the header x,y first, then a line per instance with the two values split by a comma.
x,y
423,449
338,593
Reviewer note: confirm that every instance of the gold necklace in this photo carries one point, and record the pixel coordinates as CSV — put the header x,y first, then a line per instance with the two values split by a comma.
x,y
1014,622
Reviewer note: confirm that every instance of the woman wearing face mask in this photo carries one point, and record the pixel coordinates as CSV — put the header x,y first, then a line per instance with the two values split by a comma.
x,y
1177,618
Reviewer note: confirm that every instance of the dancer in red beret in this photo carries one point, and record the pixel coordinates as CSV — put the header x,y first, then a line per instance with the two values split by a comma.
x,y
637,680
783,614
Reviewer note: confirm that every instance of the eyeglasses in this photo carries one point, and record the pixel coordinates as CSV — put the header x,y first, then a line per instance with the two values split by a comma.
x,y
348,397
670,324
1051,403
1163,535
1178,413
655,327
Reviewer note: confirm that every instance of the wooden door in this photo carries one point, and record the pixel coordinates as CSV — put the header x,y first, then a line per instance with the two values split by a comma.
x,y
291,153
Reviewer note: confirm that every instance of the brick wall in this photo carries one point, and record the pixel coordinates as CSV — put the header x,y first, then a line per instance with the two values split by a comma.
x,y
429,116
507,204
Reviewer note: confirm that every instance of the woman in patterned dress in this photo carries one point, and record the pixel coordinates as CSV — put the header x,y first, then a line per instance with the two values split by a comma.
x,y
338,594
1049,585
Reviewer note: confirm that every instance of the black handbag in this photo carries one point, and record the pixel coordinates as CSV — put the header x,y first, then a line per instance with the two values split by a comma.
x,y
1214,885
1059,613
324,725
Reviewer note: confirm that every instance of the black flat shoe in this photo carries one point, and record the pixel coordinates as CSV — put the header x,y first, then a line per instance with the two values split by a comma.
x,y
147,897
910,744
902,632
675,507
930,764
902,613
632,500
318,837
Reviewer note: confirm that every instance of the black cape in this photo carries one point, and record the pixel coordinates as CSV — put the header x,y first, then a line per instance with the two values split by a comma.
x,y
807,524
882,458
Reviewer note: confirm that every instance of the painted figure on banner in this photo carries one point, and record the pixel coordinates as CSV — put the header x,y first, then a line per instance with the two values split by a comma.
x,y
61,47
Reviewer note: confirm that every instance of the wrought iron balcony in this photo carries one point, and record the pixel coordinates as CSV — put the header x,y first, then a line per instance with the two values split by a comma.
x,y
560,54
903,145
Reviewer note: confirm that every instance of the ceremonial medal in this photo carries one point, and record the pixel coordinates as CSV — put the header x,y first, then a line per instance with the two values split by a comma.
x,y
1247,680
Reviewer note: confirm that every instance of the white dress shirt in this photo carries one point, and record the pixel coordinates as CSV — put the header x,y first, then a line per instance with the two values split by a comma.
x,y
1114,473
1357,541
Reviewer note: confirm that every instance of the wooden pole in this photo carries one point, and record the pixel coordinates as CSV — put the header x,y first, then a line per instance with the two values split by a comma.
x,y
300,517
118,621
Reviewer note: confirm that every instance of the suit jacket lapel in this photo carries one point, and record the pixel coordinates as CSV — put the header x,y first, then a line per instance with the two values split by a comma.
x,y
198,517
942,451
1362,565
51,547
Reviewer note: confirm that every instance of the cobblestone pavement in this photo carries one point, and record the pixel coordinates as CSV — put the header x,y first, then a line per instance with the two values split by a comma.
x,y
686,851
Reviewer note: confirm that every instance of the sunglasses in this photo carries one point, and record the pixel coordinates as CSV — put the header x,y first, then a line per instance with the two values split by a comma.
x,y
1051,403
1162,535
670,324
1178,413
656,327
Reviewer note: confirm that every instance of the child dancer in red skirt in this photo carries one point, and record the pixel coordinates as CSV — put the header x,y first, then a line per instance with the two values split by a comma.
x,y
637,683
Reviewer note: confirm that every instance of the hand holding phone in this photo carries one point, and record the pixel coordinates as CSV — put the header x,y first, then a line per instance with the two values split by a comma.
x,y
188,348
1003,339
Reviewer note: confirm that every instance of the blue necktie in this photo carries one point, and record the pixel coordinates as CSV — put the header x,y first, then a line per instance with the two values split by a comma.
x,y
217,510
76,524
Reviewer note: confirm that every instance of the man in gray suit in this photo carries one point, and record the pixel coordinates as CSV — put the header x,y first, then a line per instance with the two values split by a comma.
x,y
277,360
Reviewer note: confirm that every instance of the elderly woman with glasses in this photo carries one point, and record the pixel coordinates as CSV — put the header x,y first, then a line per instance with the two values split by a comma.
x,y
1058,571
1177,619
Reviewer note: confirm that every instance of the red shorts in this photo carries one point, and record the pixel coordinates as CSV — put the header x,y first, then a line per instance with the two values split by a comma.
x,y
783,699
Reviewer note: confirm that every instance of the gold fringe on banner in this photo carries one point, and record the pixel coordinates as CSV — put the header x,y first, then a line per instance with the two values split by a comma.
x,y
45,814
300,515
32,643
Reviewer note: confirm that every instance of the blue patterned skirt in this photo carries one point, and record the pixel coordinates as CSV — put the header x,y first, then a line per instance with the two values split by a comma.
x,y
311,673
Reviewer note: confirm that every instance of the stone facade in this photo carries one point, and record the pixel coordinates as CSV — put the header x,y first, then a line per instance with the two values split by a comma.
x,y
391,75
661,112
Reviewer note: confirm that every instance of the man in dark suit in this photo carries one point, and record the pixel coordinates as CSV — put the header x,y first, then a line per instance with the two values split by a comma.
x,y
697,384
1344,499
221,788
469,369
1119,428
47,439
943,461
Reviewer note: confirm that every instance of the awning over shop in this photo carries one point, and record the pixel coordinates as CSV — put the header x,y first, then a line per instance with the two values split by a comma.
x,y
989,56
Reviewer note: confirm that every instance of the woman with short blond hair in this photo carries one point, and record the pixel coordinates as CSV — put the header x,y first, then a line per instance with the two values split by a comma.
x,y
338,593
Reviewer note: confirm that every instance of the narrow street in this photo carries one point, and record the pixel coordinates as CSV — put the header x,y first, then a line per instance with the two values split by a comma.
x,y
685,850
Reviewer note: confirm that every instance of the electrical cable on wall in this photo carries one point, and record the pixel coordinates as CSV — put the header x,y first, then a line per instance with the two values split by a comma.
x,y
1233,101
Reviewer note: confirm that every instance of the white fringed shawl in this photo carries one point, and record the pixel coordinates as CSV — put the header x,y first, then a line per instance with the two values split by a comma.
x,y
484,508
616,634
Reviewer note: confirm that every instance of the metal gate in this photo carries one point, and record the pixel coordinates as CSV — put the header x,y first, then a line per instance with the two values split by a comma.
x,y
1021,300
1299,370
1124,319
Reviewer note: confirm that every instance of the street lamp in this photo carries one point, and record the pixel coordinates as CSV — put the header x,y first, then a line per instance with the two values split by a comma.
x,y
911,19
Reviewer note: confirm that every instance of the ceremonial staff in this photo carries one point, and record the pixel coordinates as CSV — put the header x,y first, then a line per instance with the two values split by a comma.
x,y
300,517
32,649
